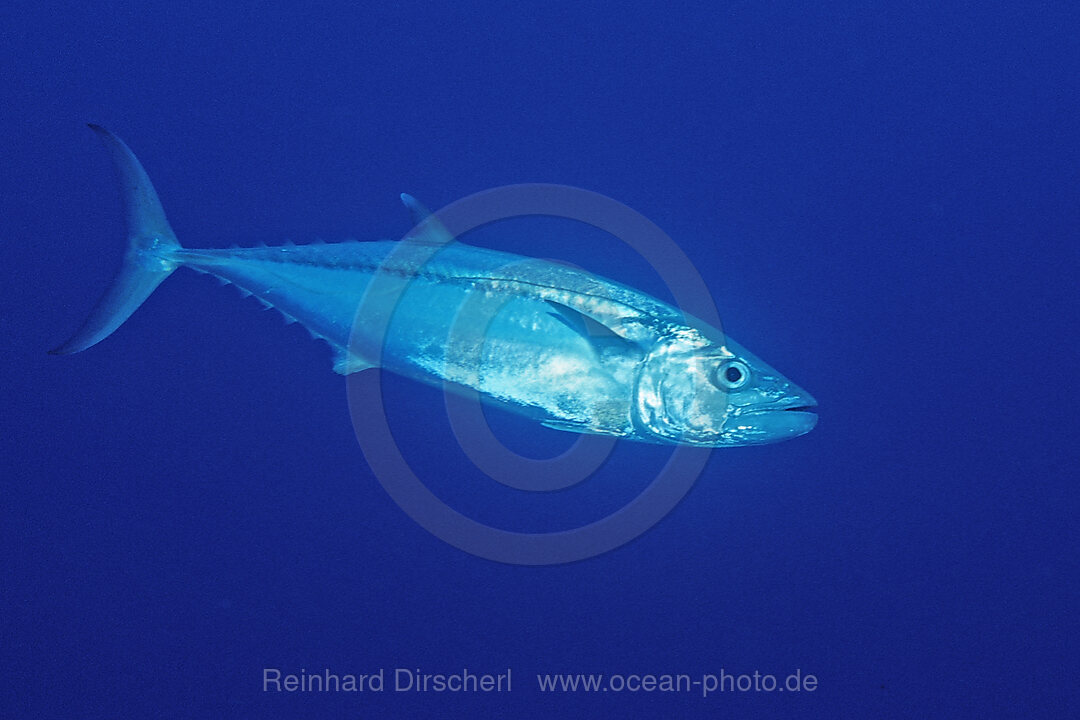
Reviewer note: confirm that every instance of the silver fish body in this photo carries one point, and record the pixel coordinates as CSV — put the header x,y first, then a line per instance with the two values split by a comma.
x,y
560,345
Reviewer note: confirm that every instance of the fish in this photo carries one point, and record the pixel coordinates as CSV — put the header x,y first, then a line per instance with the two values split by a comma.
x,y
562,346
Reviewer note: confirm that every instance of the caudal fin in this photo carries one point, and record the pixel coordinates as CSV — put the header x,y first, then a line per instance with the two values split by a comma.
x,y
149,257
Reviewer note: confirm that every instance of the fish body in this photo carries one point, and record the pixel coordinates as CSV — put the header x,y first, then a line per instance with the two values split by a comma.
x,y
565,347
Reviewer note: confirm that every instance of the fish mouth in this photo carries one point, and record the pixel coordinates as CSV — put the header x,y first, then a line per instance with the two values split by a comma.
x,y
779,411
800,402
796,401
775,422
769,426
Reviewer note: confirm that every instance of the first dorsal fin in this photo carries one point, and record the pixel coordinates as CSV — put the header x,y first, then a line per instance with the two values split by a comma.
x,y
427,228
419,212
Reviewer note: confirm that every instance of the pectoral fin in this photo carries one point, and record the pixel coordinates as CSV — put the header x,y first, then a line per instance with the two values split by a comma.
x,y
598,335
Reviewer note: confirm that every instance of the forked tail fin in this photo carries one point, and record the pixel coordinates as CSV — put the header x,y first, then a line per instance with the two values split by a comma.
x,y
149,257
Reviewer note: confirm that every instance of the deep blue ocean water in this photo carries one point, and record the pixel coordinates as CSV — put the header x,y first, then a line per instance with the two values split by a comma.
x,y
884,201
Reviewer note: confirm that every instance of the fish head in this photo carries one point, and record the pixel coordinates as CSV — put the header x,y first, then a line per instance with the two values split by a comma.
x,y
694,392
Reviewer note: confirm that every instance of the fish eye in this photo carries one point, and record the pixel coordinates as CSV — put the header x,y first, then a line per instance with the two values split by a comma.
x,y
731,375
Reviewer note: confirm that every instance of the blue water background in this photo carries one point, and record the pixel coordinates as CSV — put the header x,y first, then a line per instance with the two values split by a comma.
x,y
883,198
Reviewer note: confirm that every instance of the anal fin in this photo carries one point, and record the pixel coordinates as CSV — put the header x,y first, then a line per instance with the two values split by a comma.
x,y
347,363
